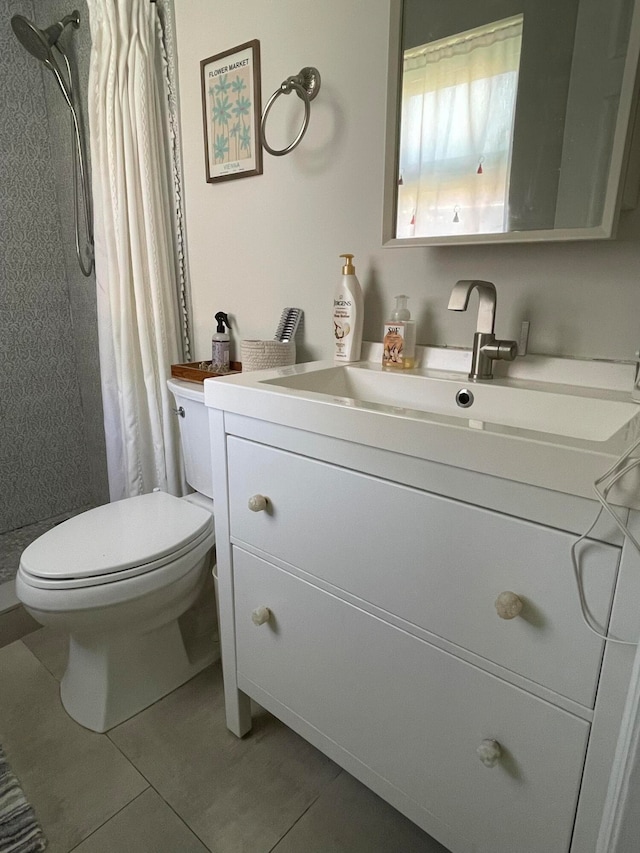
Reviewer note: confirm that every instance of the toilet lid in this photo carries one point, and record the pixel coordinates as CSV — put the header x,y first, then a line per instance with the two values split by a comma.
x,y
119,539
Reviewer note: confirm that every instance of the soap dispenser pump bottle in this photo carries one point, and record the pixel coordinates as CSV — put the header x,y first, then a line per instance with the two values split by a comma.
x,y
399,343
220,345
348,310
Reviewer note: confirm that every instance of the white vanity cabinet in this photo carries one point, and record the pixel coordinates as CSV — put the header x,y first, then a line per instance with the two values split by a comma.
x,y
434,563
358,605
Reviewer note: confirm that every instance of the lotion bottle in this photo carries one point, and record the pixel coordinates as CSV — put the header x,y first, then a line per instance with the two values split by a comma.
x,y
348,310
220,345
399,343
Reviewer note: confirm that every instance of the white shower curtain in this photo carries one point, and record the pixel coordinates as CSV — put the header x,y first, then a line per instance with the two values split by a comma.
x,y
138,315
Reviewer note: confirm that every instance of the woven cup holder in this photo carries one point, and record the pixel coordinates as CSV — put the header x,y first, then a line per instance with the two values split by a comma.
x,y
262,355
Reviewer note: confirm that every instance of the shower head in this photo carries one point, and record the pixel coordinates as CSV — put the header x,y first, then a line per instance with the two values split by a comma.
x,y
39,42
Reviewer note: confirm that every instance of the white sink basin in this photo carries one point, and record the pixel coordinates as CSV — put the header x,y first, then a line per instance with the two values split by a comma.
x,y
582,413
555,423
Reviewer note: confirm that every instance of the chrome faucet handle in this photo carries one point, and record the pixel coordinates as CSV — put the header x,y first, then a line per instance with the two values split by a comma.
x,y
635,390
523,340
500,350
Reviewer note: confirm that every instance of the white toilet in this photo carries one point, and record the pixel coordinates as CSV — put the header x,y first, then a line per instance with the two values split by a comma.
x,y
120,579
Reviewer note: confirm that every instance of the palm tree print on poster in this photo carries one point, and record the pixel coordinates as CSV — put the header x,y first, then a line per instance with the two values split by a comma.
x,y
231,108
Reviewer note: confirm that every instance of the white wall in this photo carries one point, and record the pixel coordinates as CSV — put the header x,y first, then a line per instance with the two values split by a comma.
x,y
259,244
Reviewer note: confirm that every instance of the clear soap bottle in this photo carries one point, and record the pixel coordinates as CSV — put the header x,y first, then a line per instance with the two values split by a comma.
x,y
399,342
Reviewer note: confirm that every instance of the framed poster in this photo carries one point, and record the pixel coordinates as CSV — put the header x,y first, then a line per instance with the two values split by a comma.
x,y
231,110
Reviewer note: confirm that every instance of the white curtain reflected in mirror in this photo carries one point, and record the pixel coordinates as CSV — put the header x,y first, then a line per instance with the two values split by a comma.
x,y
456,137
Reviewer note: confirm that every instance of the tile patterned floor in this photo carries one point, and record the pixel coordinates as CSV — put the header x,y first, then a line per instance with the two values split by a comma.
x,y
173,780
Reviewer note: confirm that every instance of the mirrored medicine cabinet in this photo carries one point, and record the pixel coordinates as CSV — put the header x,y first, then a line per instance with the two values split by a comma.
x,y
509,120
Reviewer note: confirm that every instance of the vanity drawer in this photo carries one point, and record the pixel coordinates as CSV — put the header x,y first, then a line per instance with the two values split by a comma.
x,y
437,563
414,714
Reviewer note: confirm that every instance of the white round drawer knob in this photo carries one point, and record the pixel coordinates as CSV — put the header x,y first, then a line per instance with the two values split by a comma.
x,y
260,615
258,503
489,752
508,605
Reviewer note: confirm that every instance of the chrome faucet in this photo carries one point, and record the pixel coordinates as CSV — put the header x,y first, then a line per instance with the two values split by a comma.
x,y
486,349
635,391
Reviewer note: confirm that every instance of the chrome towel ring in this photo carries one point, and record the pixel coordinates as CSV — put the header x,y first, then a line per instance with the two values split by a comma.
x,y
306,85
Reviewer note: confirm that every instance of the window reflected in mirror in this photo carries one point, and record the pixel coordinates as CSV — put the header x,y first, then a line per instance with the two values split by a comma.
x,y
458,106
510,120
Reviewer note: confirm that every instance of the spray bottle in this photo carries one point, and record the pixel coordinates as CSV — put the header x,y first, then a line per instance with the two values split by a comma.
x,y
220,345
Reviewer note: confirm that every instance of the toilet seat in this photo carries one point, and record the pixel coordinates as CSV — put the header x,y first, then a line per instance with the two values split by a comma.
x,y
115,542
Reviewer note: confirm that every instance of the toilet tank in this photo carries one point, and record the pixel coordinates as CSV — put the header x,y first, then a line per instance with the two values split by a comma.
x,y
194,434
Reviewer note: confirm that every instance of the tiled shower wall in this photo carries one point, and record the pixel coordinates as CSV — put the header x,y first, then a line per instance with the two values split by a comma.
x,y
52,458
